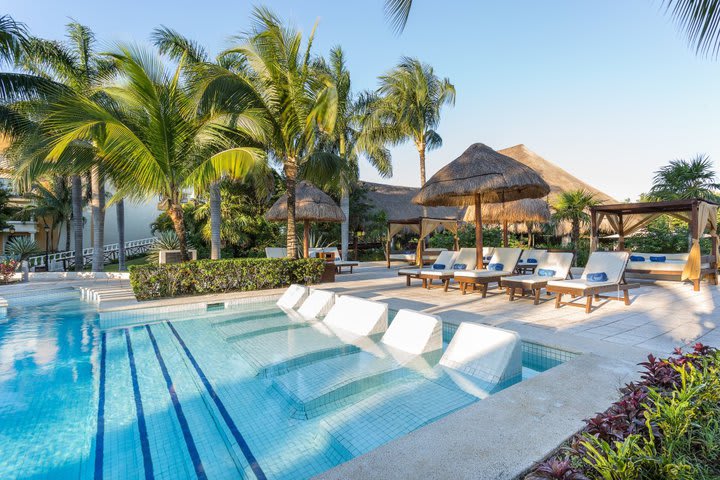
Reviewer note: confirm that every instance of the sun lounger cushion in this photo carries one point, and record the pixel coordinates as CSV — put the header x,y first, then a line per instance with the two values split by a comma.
x,y
530,279
317,304
546,272
414,332
496,267
358,316
531,260
481,273
459,266
611,263
658,258
293,296
438,266
637,258
579,283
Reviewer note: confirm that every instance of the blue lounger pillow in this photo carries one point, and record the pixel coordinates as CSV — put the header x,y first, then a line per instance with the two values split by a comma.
x,y
488,258
546,272
498,267
637,258
597,277
531,260
459,266
438,266
659,258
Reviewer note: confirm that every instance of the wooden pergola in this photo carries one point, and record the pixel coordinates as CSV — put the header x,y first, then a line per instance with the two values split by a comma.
x,y
628,218
423,226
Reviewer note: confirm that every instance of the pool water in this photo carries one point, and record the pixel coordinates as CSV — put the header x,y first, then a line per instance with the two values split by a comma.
x,y
246,392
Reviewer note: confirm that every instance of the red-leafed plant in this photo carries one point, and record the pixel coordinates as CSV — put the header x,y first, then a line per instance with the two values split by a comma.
x,y
8,269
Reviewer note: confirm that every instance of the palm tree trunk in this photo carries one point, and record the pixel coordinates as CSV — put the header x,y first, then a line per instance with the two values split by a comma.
x,y
345,227
421,152
120,213
576,239
68,221
290,181
77,221
215,220
98,212
176,214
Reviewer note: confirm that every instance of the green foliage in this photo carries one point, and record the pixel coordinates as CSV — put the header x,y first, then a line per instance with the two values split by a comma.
x,y
663,235
5,210
681,179
8,269
492,237
166,240
21,248
220,276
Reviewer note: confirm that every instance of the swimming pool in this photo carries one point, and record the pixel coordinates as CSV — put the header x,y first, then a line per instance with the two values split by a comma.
x,y
245,392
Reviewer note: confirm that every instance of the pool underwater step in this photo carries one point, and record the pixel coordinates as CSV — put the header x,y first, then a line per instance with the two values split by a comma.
x,y
239,317
291,364
267,330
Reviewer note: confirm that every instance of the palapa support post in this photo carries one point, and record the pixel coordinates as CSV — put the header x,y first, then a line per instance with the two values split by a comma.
x,y
420,250
621,233
478,230
387,247
306,238
505,233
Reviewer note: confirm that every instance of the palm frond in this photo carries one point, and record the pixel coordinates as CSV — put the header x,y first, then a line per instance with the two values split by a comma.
x,y
397,13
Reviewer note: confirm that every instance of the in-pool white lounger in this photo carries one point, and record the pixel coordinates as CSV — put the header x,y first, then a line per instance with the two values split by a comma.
x,y
293,296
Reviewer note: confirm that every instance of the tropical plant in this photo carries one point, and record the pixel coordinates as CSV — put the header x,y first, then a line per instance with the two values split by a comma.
x,y
270,69
351,137
151,134
52,204
572,206
5,210
13,39
164,240
408,105
694,178
22,247
8,269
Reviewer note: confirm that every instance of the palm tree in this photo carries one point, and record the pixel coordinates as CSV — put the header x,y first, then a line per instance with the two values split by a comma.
x,y
13,39
410,99
151,135
49,69
270,69
349,139
694,178
572,206
52,204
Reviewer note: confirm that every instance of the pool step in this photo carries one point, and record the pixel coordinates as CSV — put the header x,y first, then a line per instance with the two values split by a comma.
x,y
104,294
326,385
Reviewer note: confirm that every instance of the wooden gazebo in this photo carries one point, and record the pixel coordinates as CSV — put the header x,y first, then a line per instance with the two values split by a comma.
x,y
628,218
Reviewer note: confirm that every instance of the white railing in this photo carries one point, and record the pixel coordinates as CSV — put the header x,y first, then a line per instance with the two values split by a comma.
x,y
110,251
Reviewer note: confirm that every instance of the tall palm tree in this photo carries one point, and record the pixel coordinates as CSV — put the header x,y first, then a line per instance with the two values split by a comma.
x,y
53,204
48,69
270,69
151,135
694,178
349,140
410,100
573,206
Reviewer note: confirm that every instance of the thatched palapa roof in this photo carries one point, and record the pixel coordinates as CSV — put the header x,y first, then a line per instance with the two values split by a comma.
x,y
534,210
396,202
311,204
481,171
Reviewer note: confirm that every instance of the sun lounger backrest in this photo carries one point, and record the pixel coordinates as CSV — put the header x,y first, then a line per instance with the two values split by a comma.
x,y
508,257
317,304
414,332
488,251
275,252
447,258
533,253
358,316
293,296
491,354
558,261
467,257
612,263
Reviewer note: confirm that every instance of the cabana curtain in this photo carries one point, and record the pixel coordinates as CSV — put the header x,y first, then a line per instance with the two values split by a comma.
x,y
428,226
707,217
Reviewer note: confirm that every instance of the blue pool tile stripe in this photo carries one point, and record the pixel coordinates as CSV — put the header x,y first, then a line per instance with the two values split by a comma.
x,y
142,427
244,447
100,434
189,442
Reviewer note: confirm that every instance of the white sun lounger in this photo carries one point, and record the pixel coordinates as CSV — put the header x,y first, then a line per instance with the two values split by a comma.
x,y
446,257
613,264
339,262
491,354
414,332
507,257
464,261
317,304
358,316
293,296
275,252
557,262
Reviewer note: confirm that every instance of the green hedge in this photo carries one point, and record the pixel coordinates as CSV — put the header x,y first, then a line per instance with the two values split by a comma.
x,y
219,276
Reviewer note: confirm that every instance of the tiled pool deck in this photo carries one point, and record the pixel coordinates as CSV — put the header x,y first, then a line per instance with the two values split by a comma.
x,y
503,435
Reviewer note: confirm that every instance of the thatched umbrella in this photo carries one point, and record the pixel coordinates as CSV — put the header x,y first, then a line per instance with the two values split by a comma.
x,y
481,175
311,205
535,210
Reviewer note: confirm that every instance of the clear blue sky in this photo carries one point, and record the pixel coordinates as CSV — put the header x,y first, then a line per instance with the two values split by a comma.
x,y
607,89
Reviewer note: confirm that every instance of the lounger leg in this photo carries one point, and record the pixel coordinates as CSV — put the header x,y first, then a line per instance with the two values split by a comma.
x,y
588,303
512,293
626,296
537,296
351,268
558,299
407,280
447,284
462,287
696,285
484,290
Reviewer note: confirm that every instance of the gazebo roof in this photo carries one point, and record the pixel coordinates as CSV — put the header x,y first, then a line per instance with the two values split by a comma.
x,y
671,206
311,204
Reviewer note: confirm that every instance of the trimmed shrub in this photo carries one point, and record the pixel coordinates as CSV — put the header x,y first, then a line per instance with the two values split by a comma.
x,y
667,426
220,276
